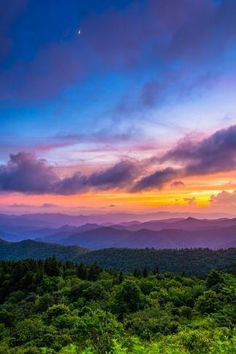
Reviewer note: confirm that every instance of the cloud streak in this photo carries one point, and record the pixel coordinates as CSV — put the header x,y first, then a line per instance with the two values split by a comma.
x,y
24,173
115,177
156,180
216,153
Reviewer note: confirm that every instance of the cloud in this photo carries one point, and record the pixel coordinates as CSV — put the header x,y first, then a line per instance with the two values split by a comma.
x,y
214,154
121,135
156,180
116,176
100,140
24,206
23,173
19,205
224,198
217,153
177,184
48,205
190,201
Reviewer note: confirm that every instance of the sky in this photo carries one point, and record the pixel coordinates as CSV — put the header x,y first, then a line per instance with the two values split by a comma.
x,y
118,106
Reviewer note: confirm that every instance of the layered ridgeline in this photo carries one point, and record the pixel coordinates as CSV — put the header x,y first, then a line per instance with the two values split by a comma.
x,y
169,233
188,261
49,307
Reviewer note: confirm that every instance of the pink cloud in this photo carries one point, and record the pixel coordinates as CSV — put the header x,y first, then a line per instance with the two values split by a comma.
x,y
224,198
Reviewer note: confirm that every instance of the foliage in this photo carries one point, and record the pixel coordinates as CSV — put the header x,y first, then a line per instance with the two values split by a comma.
x,y
193,262
53,307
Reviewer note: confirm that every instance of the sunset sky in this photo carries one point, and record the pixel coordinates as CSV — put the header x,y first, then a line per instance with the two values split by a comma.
x,y
118,106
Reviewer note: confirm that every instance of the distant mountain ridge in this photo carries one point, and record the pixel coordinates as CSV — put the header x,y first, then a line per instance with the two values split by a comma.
x,y
165,233
174,233
56,220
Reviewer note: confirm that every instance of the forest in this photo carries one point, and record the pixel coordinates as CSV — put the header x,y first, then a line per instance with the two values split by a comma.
x,y
193,262
49,306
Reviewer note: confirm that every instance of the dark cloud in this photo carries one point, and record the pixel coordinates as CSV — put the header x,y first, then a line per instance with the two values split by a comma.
x,y
156,180
24,173
217,153
116,176
177,184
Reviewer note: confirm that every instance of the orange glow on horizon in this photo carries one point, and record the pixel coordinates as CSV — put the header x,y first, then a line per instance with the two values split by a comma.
x,y
194,194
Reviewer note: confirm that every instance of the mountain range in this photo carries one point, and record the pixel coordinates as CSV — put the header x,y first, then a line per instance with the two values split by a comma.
x,y
168,233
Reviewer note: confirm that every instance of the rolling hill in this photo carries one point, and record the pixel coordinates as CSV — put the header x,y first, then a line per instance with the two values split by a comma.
x,y
192,262
166,233
37,250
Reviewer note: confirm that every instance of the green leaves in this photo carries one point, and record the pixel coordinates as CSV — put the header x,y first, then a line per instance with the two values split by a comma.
x,y
49,311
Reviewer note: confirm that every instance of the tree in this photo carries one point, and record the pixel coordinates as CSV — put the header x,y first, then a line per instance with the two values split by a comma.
x,y
94,272
52,267
208,302
57,310
214,278
100,328
128,298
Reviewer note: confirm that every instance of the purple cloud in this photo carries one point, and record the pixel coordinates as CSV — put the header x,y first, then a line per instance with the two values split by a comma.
x,y
48,205
177,184
156,180
216,153
19,205
116,176
23,173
